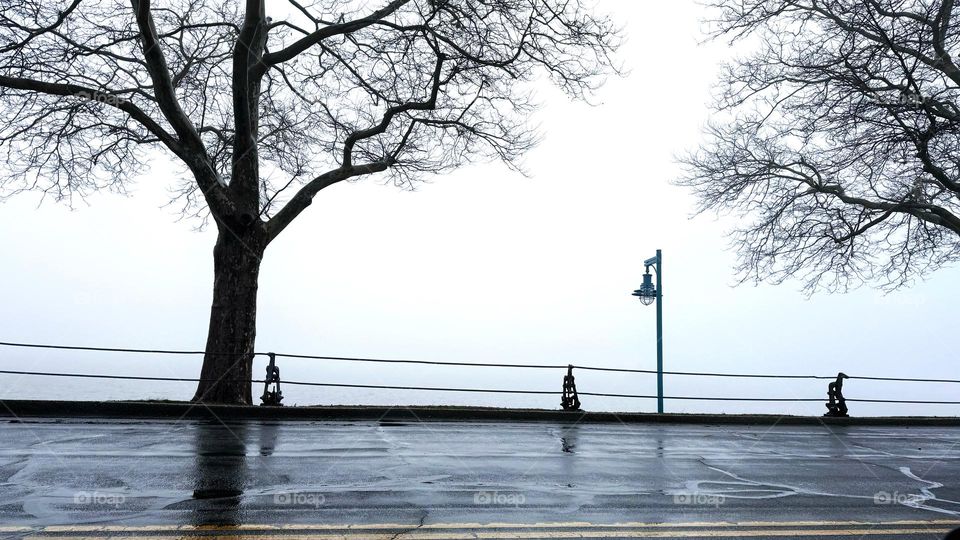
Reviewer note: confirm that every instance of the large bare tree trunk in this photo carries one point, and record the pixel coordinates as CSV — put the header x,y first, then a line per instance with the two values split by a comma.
x,y
226,373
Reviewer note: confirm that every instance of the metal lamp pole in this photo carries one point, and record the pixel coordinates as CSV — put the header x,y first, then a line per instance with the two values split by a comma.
x,y
648,294
659,335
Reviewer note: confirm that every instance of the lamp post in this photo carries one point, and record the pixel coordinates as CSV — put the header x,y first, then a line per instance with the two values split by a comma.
x,y
648,294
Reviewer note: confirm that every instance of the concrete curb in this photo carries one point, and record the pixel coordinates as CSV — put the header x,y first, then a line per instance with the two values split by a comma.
x,y
145,409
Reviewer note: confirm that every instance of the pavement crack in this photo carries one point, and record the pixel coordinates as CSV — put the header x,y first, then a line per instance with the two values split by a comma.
x,y
410,530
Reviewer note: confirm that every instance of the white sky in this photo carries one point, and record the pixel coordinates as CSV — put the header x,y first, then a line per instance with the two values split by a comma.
x,y
480,265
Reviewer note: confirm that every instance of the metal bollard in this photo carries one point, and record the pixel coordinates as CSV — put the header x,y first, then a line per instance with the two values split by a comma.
x,y
837,405
570,401
272,397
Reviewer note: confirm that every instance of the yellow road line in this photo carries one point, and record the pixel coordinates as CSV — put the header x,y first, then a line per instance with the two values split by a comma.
x,y
548,534
479,526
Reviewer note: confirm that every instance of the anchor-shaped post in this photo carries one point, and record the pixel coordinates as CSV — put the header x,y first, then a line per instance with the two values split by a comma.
x,y
272,396
570,401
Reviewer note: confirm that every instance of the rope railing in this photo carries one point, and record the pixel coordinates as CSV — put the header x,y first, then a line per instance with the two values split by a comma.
x,y
484,364
568,367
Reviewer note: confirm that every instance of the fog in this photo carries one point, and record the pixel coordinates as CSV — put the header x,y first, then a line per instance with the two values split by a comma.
x,y
482,265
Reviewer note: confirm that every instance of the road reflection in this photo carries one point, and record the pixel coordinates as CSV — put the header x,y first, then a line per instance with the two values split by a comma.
x,y
220,473
568,441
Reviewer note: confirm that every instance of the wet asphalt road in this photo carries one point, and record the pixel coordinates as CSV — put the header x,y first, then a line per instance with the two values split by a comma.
x,y
190,473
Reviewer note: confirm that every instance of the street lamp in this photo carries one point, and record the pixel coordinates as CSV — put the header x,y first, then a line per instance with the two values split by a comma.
x,y
648,293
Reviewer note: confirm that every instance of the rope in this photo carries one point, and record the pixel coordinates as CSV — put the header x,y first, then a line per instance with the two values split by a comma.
x,y
541,366
109,349
472,364
123,377
483,390
699,398
422,362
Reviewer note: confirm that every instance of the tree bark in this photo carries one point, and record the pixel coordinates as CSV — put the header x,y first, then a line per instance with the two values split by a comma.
x,y
226,374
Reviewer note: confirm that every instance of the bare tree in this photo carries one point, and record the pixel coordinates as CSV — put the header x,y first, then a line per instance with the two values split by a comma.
x,y
836,141
265,112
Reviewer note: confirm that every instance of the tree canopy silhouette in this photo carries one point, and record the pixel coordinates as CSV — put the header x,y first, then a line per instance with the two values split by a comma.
x,y
266,111
836,140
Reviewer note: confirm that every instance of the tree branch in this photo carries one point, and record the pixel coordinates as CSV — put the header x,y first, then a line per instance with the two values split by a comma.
x,y
107,98
304,197
196,156
301,45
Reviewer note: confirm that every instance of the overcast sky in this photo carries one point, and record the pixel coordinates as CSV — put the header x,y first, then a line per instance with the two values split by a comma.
x,y
479,265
